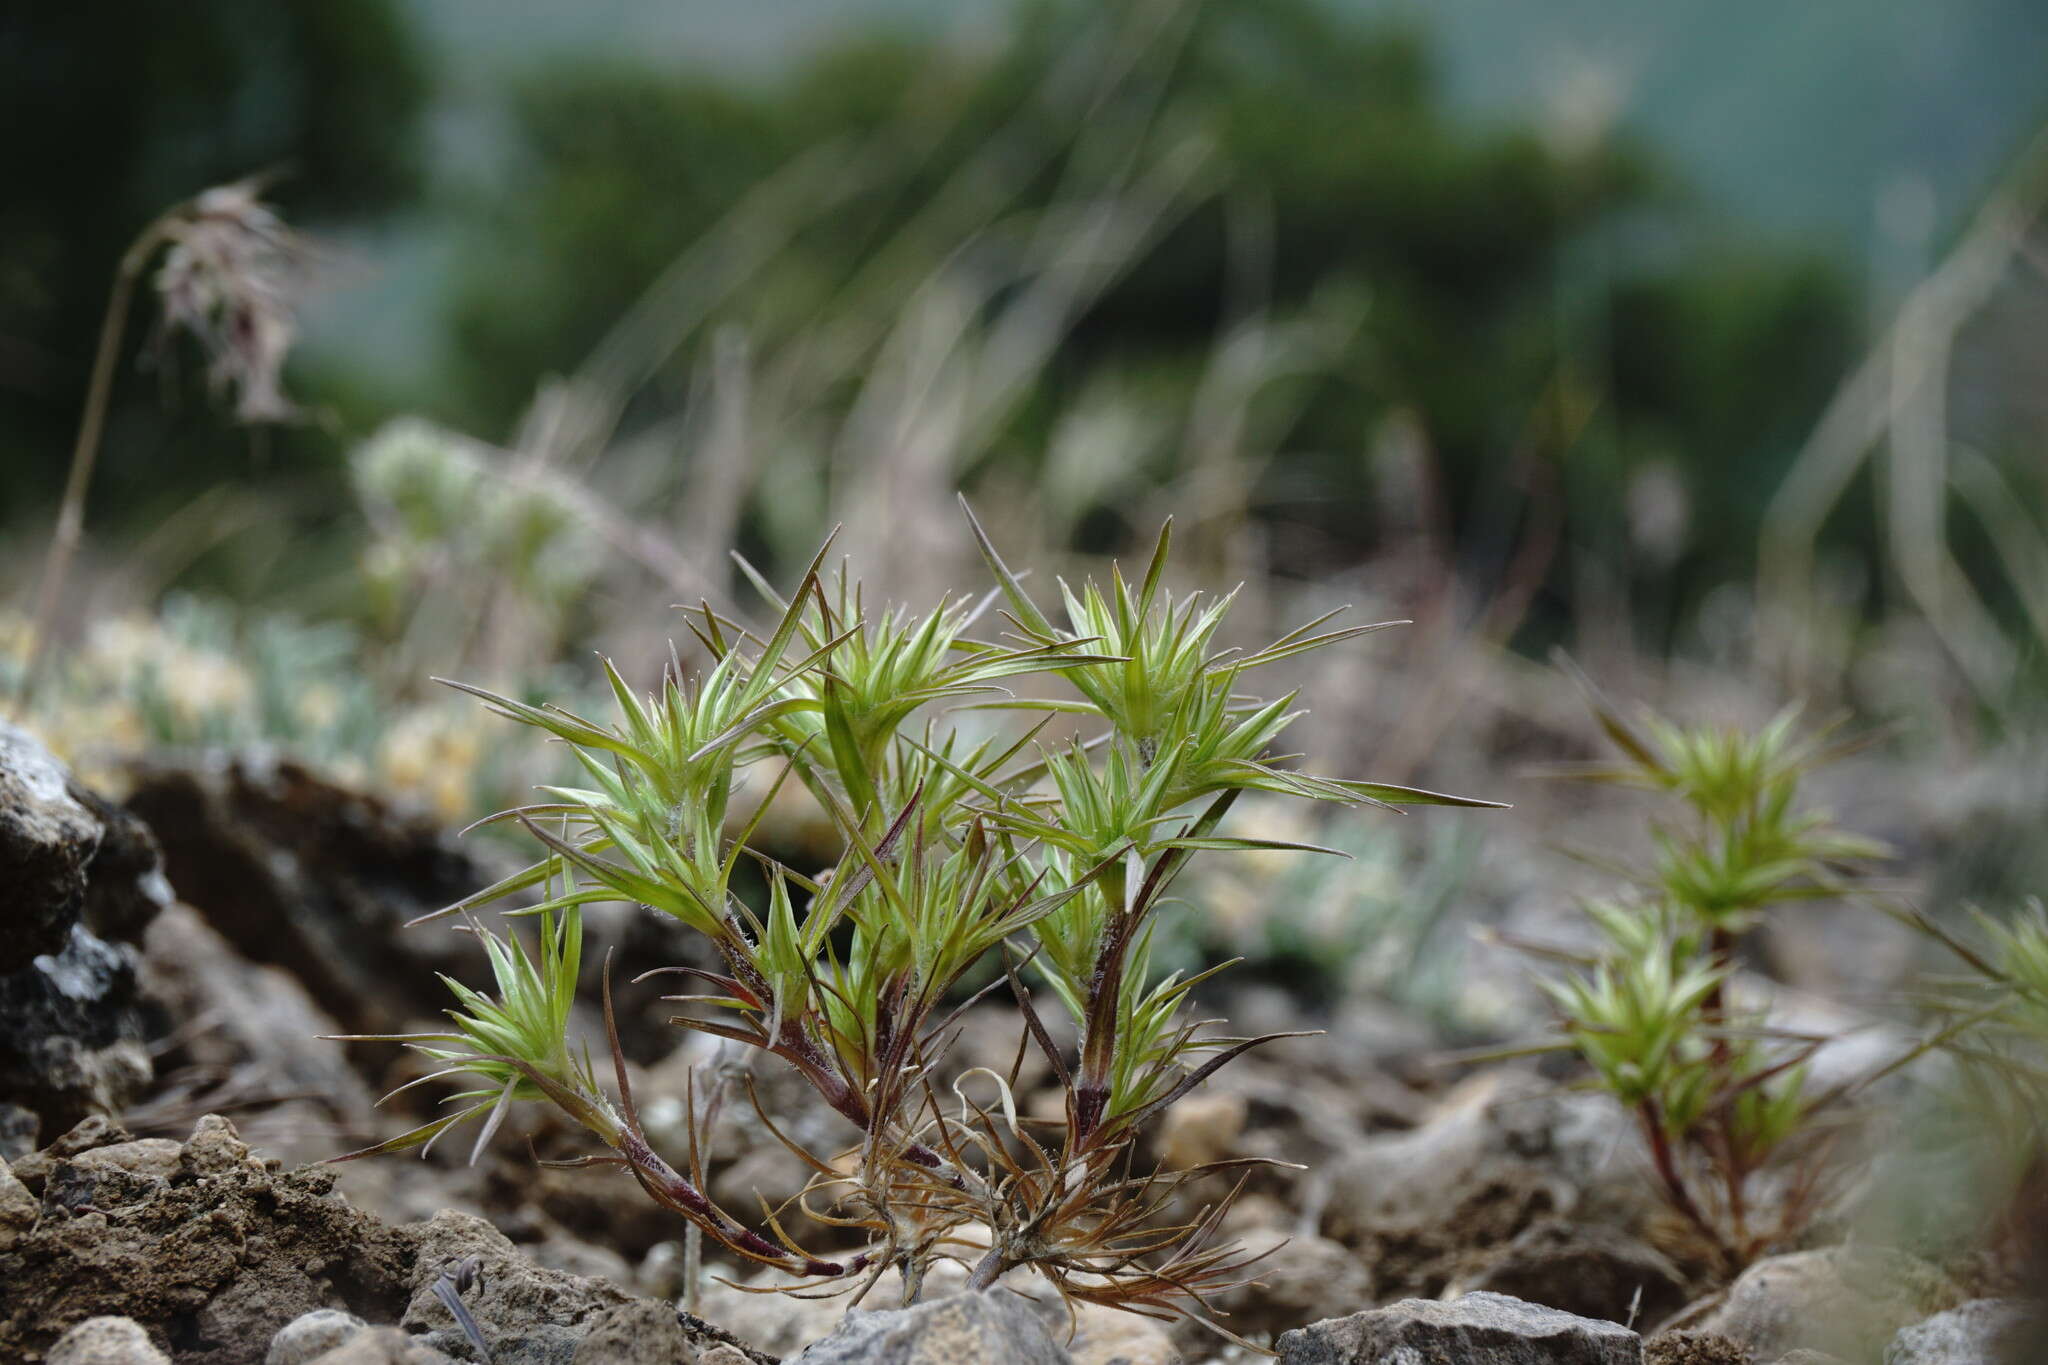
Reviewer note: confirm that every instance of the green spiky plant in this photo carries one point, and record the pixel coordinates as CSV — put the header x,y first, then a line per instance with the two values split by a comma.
x,y
1719,1098
1053,860
2001,1021
1992,1112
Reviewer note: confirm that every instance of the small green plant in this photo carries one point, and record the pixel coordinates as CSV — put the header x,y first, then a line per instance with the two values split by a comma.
x,y
1992,1113
2007,1007
1051,859
1718,1097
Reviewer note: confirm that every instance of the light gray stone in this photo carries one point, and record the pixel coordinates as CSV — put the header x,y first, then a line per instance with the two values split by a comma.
x,y
71,1031
528,1315
383,1346
1110,1336
1583,1268
1980,1332
1500,1152
80,878
963,1327
1478,1329
643,1332
311,1335
1295,1280
148,1158
18,1208
215,1148
1847,1301
47,839
106,1341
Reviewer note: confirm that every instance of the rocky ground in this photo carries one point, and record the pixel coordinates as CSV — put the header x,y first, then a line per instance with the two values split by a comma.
x,y
175,959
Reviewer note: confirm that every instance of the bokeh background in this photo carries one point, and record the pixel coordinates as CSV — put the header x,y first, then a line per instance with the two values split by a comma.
x,y
1704,340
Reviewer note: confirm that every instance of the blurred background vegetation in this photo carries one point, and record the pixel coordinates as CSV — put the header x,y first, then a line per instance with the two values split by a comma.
x,y
1543,324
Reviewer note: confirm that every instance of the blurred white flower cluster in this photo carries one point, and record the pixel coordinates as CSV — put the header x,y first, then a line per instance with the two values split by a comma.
x,y
232,278
191,678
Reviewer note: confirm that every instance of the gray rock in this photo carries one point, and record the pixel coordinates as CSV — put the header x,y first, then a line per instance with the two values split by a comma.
x,y
86,1135
642,1332
1297,1280
1093,1334
962,1327
18,1128
1110,1336
67,853
1980,1332
214,1149
110,1177
272,1039
106,1341
71,1032
18,1209
78,872
1587,1269
660,1272
312,1335
220,1252
125,886
779,1325
1847,1301
382,1346
1409,1180
1479,1329
144,1158
528,1315
297,872
47,837
566,1254
1500,1153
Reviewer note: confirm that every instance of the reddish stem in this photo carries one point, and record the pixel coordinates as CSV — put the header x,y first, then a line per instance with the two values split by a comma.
x,y
670,1188
1667,1171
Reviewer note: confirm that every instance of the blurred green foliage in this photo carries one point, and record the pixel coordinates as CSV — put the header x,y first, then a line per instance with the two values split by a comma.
x,y
1565,333
1556,313
114,112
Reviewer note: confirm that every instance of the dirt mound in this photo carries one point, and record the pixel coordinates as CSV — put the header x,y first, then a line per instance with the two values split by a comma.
x,y
213,1250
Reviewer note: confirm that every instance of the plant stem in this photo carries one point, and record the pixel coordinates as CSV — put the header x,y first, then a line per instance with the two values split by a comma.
x,y
671,1190
1667,1171
85,453
1733,1177
693,1236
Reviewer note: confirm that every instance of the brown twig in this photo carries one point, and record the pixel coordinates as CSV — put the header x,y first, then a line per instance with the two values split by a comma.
x,y
85,452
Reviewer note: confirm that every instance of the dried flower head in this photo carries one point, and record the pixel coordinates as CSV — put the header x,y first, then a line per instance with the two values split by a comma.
x,y
233,276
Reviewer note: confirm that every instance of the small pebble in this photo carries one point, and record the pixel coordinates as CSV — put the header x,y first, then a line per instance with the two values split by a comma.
x,y
149,1158
18,1209
106,1341
214,1147
312,1335
385,1346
